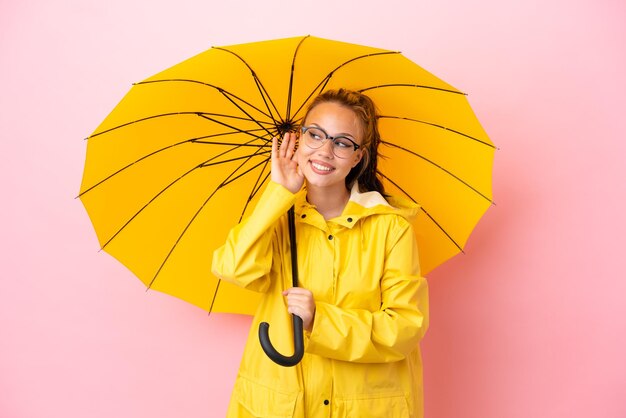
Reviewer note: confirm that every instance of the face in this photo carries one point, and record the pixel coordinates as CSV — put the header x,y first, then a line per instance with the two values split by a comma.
x,y
321,167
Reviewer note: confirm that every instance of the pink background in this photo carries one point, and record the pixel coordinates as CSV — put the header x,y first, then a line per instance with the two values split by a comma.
x,y
530,322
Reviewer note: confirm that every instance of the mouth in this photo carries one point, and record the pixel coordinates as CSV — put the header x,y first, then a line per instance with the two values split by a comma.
x,y
321,168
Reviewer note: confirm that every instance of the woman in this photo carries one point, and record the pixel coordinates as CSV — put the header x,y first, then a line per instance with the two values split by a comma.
x,y
362,300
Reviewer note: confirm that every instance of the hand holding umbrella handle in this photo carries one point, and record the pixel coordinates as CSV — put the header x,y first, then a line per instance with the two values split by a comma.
x,y
298,341
298,333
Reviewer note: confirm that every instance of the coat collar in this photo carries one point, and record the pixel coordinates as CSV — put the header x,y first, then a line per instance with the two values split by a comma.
x,y
359,206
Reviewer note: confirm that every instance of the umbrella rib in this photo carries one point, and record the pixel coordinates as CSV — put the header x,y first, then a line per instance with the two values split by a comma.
x,y
265,97
291,72
421,86
207,164
224,92
161,115
179,238
217,289
204,164
391,144
440,127
233,144
192,140
198,212
324,82
230,180
322,85
201,165
200,139
423,210
148,204
130,165
262,90
234,127
257,152
255,189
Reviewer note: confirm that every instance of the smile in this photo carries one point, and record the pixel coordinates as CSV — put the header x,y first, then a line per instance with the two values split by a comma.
x,y
320,167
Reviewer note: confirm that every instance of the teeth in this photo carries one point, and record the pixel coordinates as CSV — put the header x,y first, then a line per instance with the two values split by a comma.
x,y
321,167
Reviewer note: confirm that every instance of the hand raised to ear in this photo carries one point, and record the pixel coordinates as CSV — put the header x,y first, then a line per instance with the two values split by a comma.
x,y
285,170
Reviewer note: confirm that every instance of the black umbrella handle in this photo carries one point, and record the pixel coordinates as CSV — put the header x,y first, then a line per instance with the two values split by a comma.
x,y
298,333
298,343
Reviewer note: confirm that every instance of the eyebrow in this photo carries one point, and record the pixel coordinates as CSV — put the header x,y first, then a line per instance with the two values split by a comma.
x,y
345,134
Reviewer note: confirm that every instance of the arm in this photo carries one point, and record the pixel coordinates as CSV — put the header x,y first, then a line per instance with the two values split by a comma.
x,y
246,257
388,334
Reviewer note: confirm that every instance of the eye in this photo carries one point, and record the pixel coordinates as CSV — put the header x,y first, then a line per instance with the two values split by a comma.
x,y
315,134
343,143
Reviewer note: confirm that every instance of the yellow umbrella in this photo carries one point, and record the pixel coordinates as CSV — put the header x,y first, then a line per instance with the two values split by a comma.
x,y
182,157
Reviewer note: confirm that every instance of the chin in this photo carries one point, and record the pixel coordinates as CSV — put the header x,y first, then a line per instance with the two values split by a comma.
x,y
326,181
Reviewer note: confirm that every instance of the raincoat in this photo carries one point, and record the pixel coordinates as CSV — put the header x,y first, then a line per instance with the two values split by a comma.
x,y
362,357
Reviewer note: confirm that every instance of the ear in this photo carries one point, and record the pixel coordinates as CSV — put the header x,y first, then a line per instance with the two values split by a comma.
x,y
358,156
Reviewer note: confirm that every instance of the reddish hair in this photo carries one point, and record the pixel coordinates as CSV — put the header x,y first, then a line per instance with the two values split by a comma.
x,y
365,172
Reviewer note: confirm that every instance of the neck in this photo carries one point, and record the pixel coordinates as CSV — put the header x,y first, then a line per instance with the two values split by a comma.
x,y
329,203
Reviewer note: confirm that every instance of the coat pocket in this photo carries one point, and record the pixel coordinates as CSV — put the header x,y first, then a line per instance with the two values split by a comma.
x,y
374,406
262,401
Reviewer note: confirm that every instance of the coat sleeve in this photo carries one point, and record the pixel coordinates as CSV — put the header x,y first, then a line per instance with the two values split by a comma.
x,y
245,259
386,335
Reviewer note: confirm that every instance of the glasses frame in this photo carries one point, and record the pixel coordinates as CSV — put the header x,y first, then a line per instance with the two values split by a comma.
x,y
327,137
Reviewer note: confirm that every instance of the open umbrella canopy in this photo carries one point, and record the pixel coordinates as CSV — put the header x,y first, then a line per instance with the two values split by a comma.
x,y
182,158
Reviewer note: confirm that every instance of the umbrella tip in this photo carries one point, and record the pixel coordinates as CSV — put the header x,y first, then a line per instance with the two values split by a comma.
x,y
285,127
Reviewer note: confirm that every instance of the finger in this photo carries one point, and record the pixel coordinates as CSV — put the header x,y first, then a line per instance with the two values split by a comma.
x,y
299,303
300,296
284,145
297,293
297,290
294,298
299,311
303,301
295,311
299,171
274,147
307,305
291,145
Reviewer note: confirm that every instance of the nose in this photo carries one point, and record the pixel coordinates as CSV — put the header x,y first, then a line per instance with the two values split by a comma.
x,y
327,148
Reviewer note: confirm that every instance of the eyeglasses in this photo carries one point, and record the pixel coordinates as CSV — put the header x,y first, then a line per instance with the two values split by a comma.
x,y
314,137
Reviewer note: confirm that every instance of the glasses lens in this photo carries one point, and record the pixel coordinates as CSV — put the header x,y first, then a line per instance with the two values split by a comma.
x,y
314,137
343,147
